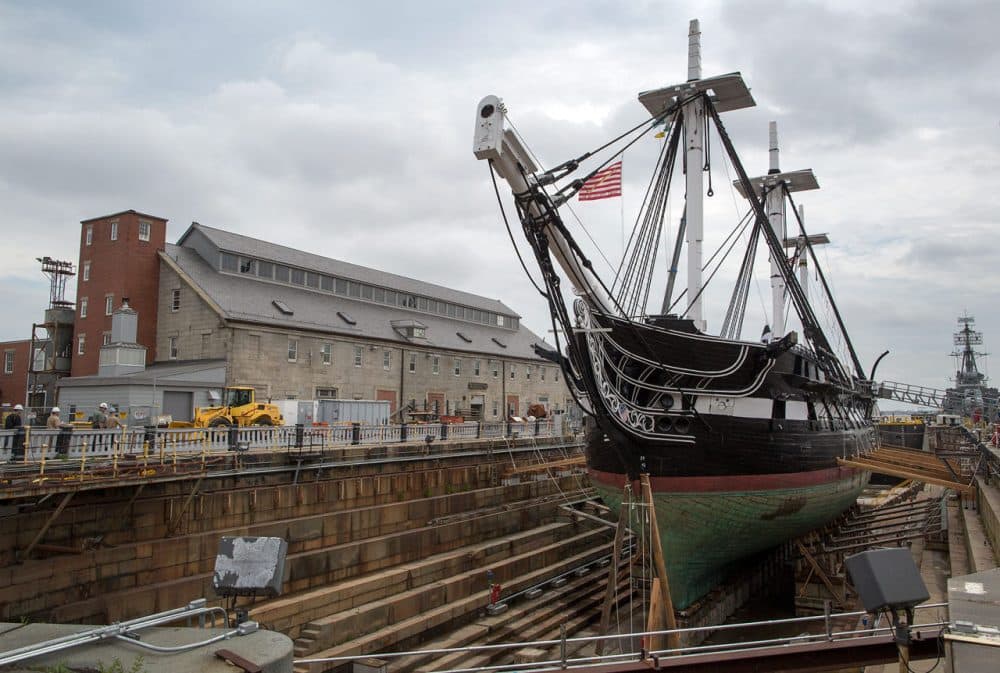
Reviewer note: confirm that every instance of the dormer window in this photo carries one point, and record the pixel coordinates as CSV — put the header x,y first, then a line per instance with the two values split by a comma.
x,y
463,337
282,306
346,317
499,343
410,329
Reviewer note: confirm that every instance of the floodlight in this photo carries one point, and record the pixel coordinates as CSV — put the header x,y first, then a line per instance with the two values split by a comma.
x,y
887,579
250,566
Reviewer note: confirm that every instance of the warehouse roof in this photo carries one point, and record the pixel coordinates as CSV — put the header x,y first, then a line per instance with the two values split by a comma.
x,y
255,248
246,299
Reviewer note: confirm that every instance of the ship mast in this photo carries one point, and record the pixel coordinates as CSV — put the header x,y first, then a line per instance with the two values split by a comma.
x,y
801,246
694,144
968,374
728,92
773,186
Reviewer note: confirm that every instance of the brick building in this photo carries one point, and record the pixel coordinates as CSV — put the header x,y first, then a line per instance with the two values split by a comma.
x,y
119,258
14,361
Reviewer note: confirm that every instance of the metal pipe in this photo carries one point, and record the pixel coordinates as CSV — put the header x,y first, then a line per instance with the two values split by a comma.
x,y
244,629
192,609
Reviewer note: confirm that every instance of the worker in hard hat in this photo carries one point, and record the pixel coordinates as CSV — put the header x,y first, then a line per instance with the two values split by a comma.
x,y
14,420
54,422
100,419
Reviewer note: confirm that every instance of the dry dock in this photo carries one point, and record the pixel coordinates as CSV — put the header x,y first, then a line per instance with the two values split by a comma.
x,y
393,546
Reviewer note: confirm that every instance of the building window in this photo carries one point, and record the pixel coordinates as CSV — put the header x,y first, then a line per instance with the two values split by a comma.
x,y
513,368
541,372
265,269
106,338
248,265
281,273
230,262
114,231
458,367
359,355
172,347
386,359
496,408
499,321
435,365
557,375
86,270
326,353
109,304
8,362
293,350
495,368
143,230
476,367
89,234
298,277
326,393
206,343
83,307
527,372
81,343
413,363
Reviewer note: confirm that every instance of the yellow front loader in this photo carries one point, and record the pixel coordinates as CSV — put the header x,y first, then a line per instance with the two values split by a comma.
x,y
239,408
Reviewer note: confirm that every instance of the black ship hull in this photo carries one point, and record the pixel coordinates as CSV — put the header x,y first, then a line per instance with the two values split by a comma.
x,y
740,440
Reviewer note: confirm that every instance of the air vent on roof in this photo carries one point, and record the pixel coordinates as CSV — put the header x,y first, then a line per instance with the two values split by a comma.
x,y
346,317
282,306
464,338
499,343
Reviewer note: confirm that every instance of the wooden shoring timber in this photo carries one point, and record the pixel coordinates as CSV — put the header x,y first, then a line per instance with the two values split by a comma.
x,y
818,571
667,616
45,528
176,523
911,459
536,467
609,598
914,473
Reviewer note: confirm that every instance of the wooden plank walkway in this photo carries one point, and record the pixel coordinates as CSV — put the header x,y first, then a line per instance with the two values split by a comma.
x,y
910,464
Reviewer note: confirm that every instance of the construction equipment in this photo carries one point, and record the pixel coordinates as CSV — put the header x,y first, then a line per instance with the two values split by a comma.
x,y
239,407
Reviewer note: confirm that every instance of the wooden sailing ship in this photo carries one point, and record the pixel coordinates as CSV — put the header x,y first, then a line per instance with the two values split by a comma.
x,y
740,438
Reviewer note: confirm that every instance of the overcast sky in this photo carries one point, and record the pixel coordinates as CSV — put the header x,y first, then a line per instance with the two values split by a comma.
x,y
344,129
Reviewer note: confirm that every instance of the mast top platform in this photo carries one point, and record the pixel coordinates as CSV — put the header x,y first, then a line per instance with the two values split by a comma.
x,y
796,181
813,239
728,92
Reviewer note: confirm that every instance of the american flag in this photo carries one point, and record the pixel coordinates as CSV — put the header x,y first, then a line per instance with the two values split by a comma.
x,y
604,184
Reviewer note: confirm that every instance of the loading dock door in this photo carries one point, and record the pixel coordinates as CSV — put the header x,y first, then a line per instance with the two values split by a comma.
x,y
179,405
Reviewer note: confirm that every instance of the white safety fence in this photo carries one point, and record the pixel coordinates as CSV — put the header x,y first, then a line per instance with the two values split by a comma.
x,y
32,444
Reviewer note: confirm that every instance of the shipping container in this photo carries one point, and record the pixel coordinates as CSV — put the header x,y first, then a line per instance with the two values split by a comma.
x,y
297,412
367,412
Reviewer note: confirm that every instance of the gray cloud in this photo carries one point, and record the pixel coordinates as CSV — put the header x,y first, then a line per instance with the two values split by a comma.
x,y
344,128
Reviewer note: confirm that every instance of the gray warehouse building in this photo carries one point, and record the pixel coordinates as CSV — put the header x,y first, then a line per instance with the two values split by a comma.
x,y
296,325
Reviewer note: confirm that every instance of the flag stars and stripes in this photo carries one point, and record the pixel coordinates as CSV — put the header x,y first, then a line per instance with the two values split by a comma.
x,y
604,184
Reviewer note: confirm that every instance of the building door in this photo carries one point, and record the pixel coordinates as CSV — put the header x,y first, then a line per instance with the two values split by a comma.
x,y
179,405
512,409
477,404
387,396
435,403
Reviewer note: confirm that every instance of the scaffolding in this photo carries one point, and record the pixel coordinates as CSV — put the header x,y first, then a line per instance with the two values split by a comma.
x,y
51,340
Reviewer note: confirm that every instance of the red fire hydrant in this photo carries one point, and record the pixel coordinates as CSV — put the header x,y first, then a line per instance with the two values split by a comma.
x,y
495,590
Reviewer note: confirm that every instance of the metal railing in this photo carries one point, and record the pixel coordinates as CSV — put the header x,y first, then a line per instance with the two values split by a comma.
x,y
564,661
36,445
